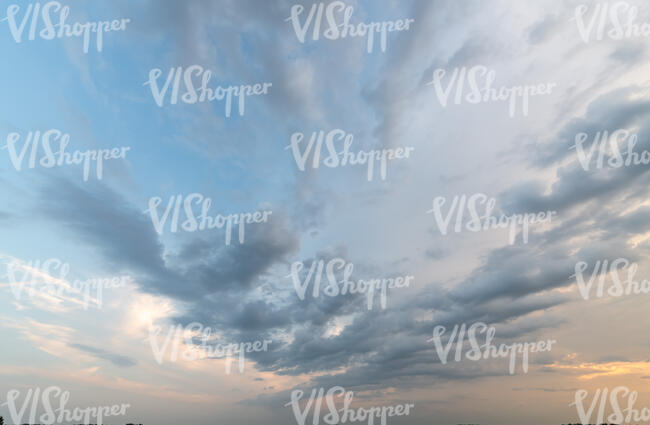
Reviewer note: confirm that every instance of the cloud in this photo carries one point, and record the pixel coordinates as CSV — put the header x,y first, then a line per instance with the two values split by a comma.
x,y
524,290
543,30
116,359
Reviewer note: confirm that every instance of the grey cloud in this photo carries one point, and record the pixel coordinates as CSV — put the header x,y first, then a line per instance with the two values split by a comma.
x,y
544,29
116,359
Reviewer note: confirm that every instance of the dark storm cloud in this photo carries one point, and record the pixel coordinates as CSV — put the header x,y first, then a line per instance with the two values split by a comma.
x,y
617,109
126,238
102,218
219,285
574,185
513,282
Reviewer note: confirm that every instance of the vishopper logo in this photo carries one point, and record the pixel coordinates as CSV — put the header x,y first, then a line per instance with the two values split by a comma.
x,y
205,221
179,337
478,222
479,80
337,17
344,414
619,19
368,286
617,288
61,29
615,157
335,158
60,414
628,415
57,158
177,78
487,350
37,279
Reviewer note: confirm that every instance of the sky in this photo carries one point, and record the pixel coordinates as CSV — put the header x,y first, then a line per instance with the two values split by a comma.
x,y
247,287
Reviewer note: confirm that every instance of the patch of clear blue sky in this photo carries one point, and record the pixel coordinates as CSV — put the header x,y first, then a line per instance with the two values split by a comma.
x,y
100,100
51,93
